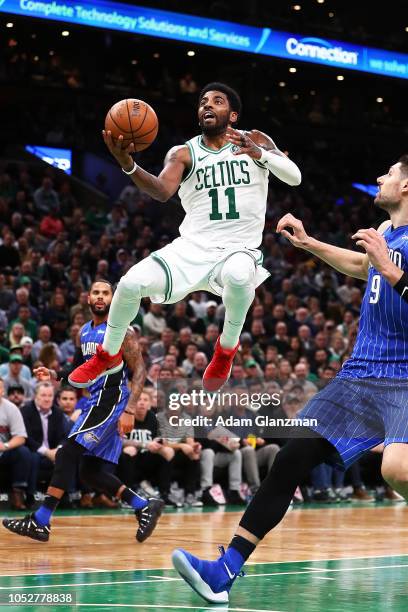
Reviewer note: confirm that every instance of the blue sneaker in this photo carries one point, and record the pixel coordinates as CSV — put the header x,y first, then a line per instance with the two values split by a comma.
x,y
210,579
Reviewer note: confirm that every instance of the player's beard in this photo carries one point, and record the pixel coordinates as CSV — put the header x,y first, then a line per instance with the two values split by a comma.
x,y
99,312
386,204
219,127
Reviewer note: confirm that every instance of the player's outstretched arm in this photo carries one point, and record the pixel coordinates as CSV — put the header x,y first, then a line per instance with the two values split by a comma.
x,y
261,147
343,260
160,187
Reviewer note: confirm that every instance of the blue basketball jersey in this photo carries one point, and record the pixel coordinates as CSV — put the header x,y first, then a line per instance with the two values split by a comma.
x,y
97,426
381,348
90,338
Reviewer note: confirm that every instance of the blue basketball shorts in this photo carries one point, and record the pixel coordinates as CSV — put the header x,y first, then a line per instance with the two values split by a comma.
x,y
357,414
97,430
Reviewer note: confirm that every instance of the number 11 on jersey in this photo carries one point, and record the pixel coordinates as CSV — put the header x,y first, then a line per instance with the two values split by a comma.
x,y
215,214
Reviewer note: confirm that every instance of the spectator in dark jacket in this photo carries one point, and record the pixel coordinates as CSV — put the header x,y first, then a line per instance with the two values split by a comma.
x,y
46,430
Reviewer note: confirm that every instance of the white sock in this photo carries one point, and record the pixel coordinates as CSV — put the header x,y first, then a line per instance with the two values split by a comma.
x,y
146,278
237,277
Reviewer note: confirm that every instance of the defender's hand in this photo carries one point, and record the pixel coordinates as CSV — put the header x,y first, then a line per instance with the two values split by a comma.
x,y
375,246
244,144
122,156
298,238
126,423
42,373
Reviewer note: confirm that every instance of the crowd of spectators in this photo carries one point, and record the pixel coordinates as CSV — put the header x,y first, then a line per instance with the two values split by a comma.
x,y
299,330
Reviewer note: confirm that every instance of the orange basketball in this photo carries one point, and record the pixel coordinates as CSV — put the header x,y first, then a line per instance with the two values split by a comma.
x,y
135,120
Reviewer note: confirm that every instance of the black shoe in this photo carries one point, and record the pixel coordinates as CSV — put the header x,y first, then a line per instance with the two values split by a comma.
x,y
28,526
148,518
208,499
235,499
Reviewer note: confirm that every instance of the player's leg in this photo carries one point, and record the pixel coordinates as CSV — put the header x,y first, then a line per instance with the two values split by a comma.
x,y
238,282
147,278
37,524
237,277
213,579
148,512
394,467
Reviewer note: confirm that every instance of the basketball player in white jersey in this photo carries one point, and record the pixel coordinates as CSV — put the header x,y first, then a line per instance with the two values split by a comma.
x,y
222,179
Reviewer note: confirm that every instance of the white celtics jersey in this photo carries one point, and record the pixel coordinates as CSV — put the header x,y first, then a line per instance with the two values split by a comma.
x,y
224,197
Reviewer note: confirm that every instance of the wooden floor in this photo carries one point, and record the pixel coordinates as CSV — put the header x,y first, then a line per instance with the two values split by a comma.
x,y
88,547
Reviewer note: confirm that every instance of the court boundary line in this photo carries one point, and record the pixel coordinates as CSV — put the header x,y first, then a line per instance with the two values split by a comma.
x,y
311,571
155,569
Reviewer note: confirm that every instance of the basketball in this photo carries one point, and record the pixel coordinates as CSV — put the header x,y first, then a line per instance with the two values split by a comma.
x,y
135,120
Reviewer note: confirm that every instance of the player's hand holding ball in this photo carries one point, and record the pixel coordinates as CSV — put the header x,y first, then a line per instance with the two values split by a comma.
x,y
130,126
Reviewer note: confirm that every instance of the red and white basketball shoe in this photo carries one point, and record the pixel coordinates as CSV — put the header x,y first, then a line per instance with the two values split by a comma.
x,y
219,369
100,364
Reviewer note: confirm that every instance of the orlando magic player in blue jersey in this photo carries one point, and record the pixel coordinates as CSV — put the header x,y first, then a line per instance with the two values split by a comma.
x,y
366,404
94,439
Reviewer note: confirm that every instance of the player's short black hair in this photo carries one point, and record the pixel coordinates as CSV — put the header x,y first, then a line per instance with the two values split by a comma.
x,y
101,280
233,96
403,160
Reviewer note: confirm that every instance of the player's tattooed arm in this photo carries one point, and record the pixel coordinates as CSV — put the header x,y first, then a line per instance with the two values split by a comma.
x,y
132,356
164,186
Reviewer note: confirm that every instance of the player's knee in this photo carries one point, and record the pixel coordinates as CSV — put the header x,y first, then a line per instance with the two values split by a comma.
x,y
207,453
129,288
395,474
238,271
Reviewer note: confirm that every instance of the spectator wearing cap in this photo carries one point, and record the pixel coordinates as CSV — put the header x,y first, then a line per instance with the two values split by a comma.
x,y
253,370
15,394
44,337
14,455
24,317
15,376
26,347
16,349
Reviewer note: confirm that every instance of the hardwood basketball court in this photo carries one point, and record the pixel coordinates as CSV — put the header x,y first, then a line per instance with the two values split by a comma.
x,y
332,559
